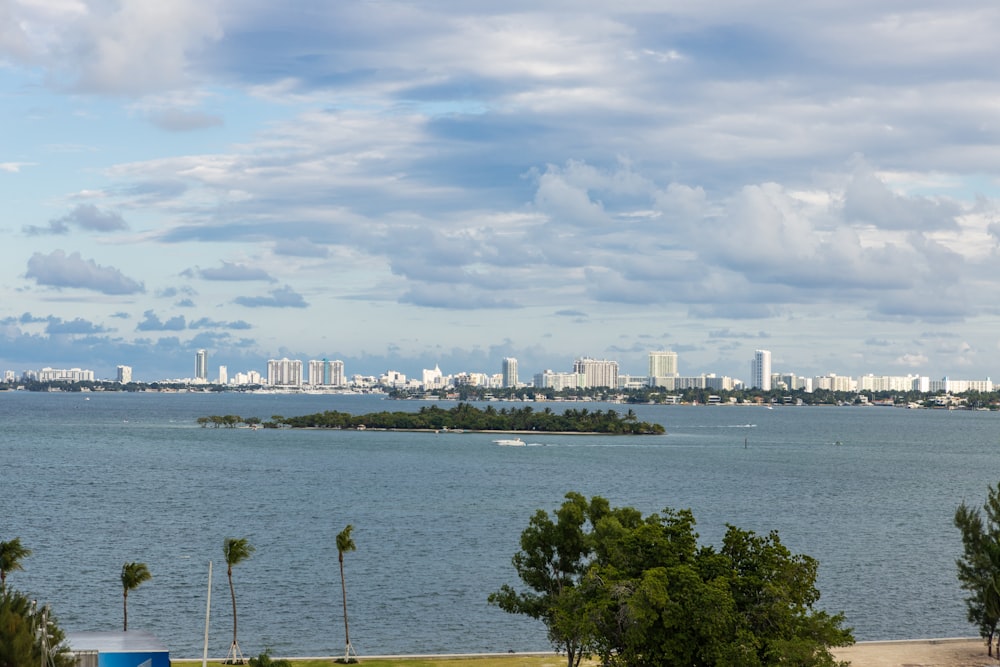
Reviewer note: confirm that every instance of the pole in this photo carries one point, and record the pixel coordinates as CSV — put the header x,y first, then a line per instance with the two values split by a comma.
x,y
208,609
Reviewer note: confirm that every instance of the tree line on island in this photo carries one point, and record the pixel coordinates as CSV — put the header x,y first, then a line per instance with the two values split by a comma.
x,y
463,417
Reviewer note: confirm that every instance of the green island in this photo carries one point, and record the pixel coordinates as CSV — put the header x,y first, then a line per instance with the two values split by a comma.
x,y
462,417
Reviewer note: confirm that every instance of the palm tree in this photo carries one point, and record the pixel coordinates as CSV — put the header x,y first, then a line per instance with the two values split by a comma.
x,y
235,551
133,574
345,543
11,554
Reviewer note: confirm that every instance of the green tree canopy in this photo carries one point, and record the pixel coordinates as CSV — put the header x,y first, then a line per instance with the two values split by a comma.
x,y
11,554
22,643
979,565
640,591
133,574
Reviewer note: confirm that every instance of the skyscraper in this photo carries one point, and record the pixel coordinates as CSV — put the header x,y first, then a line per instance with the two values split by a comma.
x,y
284,372
509,372
596,373
201,365
124,374
760,370
662,365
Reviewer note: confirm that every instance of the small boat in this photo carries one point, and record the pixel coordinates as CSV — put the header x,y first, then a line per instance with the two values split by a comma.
x,y
504,442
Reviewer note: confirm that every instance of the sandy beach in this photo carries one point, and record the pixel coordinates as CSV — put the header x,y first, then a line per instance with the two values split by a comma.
x,y
918,653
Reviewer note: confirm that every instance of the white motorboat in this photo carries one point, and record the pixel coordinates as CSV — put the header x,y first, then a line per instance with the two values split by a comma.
x,y
507,442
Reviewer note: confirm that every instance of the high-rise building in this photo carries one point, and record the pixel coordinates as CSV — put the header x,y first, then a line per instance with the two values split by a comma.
x,y
284,372
324,373
597,373
124,374
662,365
223,375
335,373
509,369
760,370
317,374
201,365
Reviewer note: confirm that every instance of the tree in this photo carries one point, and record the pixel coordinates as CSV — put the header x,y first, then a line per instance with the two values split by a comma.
x,y
775,592
265,660
979,566
11,555
640,591
133,574
552,562
235,550
345,543
22,639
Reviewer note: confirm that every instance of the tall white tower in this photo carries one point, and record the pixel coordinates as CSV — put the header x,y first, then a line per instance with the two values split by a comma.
x,y
662,365
760,370
509,369
201,365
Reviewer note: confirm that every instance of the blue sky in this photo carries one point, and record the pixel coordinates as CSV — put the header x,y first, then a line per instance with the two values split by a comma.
x,y
403,184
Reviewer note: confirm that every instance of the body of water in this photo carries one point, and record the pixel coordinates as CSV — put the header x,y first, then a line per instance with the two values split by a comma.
x,y
90,481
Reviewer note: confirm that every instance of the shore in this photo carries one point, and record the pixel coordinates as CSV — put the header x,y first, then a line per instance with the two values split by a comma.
x,y
957,652
962,652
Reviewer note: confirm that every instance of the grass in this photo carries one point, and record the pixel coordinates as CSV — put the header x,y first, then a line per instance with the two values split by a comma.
x,y
486,661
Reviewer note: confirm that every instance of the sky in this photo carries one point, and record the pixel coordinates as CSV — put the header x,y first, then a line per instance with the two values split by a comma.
x,y
408,184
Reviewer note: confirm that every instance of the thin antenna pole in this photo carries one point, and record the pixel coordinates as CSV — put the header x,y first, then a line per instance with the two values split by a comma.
x,y
208,609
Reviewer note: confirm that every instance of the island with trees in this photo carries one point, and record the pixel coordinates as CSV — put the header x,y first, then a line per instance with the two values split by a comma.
x,y
462,417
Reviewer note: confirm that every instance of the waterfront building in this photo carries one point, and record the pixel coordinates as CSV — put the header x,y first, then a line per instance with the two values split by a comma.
x,y
950,386
61,375
223,375
877,383
791,382
325,373
335,373
433,379
124,374
558,381
834,382
391,379
509,368
662,365
284,372
201,365
596,372
317,374
467,379
9,377
719,383
760,370
633,382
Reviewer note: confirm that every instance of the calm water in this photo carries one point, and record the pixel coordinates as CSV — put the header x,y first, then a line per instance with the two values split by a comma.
x,y
90,484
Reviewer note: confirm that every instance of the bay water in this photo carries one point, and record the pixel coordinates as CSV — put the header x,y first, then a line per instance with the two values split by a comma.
x,y
90,481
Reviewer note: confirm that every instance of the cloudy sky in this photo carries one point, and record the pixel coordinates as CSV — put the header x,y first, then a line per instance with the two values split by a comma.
x,y
403,184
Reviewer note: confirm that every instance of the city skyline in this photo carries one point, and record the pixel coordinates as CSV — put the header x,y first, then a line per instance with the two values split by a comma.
x,y
663,374
399,186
